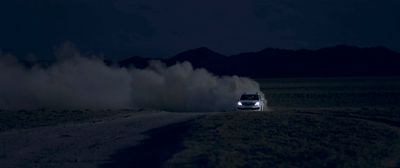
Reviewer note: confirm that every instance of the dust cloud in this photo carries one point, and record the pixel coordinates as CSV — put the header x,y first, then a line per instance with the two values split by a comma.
x,y
78,81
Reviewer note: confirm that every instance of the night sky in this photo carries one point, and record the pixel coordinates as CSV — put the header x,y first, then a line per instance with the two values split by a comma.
x,y
161,28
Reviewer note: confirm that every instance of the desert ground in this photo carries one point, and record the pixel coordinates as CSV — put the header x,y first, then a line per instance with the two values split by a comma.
x,y
313,137
81,144
292,138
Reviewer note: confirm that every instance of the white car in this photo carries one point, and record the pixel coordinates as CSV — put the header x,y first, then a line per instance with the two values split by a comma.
x,y
251,102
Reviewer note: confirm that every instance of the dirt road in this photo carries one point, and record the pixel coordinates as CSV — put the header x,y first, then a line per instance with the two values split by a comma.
x,y
87,144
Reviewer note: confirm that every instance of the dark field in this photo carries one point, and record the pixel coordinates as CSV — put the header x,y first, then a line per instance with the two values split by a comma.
x,y
350,92
288,139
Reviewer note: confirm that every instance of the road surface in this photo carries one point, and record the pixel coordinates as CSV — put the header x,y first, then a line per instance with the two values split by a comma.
x,y
85,145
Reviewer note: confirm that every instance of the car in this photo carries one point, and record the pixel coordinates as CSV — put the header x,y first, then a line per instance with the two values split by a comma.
x,y
251,102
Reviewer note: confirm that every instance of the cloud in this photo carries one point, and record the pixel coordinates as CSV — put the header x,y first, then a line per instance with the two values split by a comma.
x,y
82,82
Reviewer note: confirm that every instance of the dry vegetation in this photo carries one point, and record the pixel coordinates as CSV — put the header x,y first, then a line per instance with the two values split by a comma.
x,y
273,139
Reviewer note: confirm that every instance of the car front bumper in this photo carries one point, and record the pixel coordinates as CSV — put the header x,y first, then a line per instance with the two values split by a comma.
x,y
253,108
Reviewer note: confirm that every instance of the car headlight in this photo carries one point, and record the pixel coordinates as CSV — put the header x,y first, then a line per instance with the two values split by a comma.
x,y
257,103
239,103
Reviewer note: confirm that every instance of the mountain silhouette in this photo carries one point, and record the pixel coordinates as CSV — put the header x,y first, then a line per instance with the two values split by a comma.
x,y
203,58
135,61
338,60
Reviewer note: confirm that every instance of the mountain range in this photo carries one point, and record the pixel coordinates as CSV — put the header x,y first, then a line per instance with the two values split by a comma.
x,y
341,60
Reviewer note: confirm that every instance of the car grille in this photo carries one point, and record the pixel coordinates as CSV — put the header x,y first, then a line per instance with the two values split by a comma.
x,y
248,104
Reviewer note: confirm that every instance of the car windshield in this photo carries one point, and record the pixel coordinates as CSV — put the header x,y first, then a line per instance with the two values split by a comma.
x,y
249,97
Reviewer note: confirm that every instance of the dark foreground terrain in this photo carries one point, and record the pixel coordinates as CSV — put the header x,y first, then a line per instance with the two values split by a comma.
x,y
309,138
86,143
302,137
